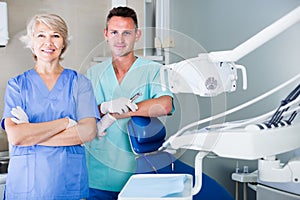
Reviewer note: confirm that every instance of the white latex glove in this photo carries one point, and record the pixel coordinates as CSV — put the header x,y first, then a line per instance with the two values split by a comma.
x,y
105,122
19,114
71,123
120,106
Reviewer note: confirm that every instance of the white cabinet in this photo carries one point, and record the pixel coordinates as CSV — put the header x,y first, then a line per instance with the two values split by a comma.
x,y
3,24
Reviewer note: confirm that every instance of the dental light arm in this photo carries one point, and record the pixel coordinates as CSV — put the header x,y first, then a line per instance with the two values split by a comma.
x,y
259,39
213,73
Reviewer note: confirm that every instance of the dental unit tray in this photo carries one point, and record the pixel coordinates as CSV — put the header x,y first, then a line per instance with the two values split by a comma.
x,y
158,187
248,142
241,143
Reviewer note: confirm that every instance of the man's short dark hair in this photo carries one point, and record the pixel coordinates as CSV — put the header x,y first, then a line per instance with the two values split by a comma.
x,y
122,12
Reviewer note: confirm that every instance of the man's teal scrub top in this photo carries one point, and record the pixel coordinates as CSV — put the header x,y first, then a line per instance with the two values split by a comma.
x,y
110,159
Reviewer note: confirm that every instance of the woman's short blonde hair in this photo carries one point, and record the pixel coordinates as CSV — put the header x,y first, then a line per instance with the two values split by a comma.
x,y
54,22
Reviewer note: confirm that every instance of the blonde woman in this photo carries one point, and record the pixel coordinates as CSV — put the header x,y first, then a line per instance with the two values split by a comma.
x,y
50,111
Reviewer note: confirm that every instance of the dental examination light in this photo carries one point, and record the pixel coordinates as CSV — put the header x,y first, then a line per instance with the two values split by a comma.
x,y
201,76
214,73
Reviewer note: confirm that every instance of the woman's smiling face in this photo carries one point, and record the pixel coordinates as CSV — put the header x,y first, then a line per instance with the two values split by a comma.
x,y
47,43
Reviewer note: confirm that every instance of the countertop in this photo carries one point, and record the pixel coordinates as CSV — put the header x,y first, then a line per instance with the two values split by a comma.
x,y
3,156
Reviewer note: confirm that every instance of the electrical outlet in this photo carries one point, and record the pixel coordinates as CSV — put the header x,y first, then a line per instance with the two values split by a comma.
x,y
168,42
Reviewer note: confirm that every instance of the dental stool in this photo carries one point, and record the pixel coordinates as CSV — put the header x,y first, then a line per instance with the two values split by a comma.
x,y
146,135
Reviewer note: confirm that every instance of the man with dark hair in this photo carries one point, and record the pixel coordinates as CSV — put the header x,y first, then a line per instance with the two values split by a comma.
x,y
115,81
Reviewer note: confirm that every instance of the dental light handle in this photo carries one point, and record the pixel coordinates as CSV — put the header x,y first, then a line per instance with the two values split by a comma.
x,y
257,40
244,75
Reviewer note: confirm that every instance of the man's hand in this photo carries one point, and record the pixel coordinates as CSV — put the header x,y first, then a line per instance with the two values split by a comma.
x,y
120,106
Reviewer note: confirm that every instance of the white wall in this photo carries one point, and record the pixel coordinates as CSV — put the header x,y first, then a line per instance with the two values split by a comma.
x,y
223,25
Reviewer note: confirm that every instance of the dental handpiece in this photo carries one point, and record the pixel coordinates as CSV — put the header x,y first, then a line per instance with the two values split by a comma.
x,y
135,96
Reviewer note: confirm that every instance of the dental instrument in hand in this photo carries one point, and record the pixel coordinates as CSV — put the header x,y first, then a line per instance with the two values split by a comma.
x,y
120,105
134,97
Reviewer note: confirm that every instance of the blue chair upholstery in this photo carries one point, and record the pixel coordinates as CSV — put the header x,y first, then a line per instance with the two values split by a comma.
x,y
146,135
158,162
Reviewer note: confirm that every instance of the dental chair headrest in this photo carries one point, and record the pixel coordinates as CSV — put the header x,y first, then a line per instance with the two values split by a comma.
x,y
146,134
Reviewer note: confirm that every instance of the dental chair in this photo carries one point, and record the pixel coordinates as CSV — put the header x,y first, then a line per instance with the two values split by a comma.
x,y
146,135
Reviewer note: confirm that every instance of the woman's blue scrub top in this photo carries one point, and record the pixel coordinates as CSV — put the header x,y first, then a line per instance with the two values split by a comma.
x,y
43,172
110,159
